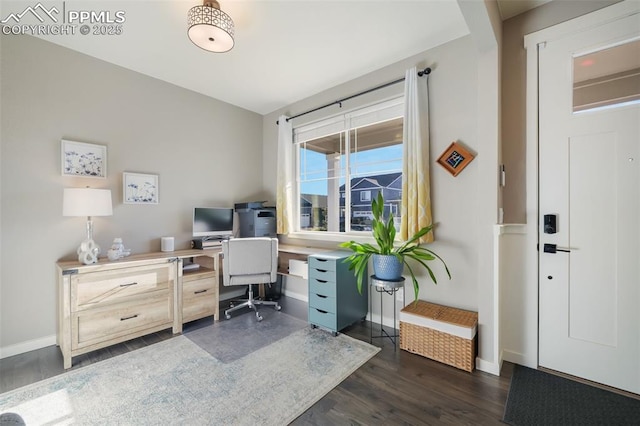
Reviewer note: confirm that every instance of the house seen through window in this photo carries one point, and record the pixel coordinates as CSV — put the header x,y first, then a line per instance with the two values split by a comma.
x,y
345,162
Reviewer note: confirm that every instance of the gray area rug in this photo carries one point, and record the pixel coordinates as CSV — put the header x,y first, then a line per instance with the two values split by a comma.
x,y
242,334
539,398
177,382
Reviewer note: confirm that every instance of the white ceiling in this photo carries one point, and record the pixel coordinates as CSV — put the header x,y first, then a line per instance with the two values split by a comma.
x,y
511,8
284,51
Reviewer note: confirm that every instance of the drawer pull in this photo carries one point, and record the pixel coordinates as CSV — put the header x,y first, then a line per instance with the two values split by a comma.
x,y
321,270
321,311
128,285
321,296
319,259
322,281
199,291
128,318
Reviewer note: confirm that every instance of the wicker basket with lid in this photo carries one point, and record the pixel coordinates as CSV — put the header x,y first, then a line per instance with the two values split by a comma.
x,y
440,333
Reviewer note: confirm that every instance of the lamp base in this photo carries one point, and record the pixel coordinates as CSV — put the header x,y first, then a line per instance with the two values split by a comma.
x,y
88,252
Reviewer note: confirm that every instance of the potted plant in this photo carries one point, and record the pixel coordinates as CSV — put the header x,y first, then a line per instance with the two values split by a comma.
x,y
386,254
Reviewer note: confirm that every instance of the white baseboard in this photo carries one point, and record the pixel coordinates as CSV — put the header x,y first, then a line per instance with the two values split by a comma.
x,y
386,321
303,297
28,346
488,367
518,358
233,294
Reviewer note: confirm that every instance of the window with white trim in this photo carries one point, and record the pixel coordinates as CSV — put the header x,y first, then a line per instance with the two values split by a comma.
x,y
343,162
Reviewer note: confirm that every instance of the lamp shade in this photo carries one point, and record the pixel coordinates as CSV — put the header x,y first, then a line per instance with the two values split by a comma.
x,y
210,28
86,202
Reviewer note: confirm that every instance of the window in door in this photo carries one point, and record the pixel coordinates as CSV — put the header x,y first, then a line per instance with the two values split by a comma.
x,y
607,78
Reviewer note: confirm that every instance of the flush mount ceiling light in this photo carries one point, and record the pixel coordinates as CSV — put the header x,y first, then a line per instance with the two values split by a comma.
x,y
210,28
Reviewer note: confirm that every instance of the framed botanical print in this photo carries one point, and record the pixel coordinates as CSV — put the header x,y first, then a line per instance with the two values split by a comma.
x,y
83,159
138,188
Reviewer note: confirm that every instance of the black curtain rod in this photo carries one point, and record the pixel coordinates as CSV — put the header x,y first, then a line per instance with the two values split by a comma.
x,y
425,71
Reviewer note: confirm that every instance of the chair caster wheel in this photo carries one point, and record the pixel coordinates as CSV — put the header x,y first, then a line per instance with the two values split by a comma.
x,y
227,316
231,305
259,317
314,326
278,307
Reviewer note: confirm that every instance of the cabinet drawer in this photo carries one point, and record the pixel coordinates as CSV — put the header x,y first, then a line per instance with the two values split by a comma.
x,y
198,299
322,275
198,282
198,306
97,325
322,318
324,303
325,288
321,263
104,287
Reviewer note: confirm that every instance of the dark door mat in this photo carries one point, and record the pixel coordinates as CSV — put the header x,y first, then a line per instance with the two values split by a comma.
x,y
539,398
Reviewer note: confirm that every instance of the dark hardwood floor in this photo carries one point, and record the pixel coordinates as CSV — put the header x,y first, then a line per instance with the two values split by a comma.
x,y
393,388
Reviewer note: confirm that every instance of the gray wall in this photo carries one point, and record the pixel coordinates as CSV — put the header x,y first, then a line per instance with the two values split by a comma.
x,y
206,153
453,116
514,65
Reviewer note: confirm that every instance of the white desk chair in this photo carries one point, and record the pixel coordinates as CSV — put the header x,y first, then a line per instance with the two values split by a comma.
x,y
248,261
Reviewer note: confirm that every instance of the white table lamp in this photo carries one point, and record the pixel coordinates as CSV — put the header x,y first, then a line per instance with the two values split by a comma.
x,y
87,202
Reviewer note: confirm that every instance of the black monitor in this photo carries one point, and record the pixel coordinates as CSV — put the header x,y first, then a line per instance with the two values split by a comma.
x,y
212,222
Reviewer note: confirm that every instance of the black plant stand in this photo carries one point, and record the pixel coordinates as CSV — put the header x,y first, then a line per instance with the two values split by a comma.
x,y
390,288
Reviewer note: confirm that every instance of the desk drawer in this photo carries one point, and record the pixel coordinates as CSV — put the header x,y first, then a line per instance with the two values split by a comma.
x,y
321,263
322,274
325,288
198,299
323,318
106,287
97,325
324,303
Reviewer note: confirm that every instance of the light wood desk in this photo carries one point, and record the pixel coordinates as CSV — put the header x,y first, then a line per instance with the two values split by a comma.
x,y
288,252
113,301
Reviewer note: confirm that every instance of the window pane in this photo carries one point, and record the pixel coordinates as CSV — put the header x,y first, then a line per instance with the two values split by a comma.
x,y
376,167
360,151
320,176
607,77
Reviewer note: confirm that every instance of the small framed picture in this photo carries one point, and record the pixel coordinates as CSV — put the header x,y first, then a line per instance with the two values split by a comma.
x,y
83,159
455,158
138,188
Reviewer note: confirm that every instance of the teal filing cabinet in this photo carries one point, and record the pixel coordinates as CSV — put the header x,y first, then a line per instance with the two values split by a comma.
x,y
334,301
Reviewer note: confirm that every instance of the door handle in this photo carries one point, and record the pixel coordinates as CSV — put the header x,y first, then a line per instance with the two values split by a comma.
x,y
553,248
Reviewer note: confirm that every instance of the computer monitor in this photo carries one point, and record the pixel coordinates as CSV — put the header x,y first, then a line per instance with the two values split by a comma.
x,y
212,222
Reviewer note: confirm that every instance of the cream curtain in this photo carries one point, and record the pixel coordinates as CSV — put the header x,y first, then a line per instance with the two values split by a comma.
x,y
284,183
416,188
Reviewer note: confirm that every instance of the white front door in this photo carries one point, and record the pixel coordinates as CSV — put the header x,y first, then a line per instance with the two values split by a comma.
x,y
589,180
